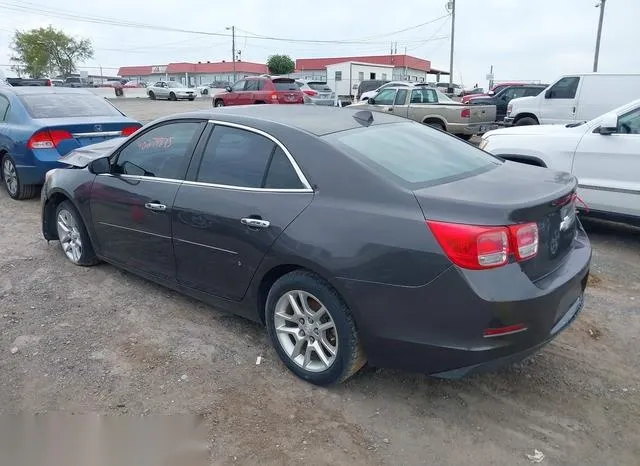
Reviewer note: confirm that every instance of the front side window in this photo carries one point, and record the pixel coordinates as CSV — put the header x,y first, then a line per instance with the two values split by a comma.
x,y
628,123
412,154
241,158
385,97
239,86
162,152
564,89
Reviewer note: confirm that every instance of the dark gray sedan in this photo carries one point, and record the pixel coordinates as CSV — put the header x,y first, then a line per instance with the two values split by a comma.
x,y
352,236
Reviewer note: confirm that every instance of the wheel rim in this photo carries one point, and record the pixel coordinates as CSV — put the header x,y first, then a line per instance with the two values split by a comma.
x,y
10,176
306,331
69,235
219,104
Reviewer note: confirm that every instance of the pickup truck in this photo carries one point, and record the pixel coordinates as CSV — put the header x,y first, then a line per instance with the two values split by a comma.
x,y
429,106
16,82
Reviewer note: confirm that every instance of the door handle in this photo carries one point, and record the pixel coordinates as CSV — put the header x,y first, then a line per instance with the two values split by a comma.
x,y
155,206
255,222
390,109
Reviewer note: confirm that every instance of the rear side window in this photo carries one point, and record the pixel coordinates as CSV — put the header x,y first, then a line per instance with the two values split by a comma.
x,y
285,85
254,85
240,158
401,97
412,154
67,105
423,96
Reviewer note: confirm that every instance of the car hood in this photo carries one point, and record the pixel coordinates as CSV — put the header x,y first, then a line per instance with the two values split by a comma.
x,y
83,156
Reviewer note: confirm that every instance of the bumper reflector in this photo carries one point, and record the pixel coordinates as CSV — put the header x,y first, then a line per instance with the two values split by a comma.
x,y
501,331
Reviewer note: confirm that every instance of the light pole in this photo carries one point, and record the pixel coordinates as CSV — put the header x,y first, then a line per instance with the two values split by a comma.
x,y
233,49
451,7
595,58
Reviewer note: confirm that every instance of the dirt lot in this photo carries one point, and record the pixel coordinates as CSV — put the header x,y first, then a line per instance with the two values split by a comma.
x,y
101,340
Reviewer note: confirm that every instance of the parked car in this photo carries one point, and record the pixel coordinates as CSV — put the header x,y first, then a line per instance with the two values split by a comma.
x,y
426,105
574,98
317,92
57,82
261,90
472,92
497,88
502,98
40,124
20,82
213,87
270,221
132,85
367,95
369,85
75,81
602,153
171,90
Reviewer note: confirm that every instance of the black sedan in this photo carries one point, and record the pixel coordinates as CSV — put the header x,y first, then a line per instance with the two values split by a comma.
x,y
352,236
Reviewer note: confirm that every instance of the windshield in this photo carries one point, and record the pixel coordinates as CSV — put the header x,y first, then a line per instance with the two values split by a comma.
x,y
174,84
67,105
412,154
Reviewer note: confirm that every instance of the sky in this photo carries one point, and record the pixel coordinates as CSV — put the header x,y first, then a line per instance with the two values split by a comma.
x,y
522,39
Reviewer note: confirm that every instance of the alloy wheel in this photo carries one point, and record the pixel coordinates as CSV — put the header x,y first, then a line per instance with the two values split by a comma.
x,y
10,176
306,331
69,235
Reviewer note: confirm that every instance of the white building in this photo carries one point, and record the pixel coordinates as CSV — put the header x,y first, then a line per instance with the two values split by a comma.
x,y
344,78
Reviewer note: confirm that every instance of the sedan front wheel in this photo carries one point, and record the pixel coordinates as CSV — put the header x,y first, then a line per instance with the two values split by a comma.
x,y
312,329
73,236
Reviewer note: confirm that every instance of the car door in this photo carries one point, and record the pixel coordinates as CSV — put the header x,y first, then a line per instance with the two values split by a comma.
x,y
244,191
131,207
400,105
236,95
608,167
5,137
251,92
559,103
160,89
504,98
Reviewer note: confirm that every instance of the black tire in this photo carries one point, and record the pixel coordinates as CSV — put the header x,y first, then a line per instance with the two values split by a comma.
x,y
12,183
218,103
152,95
172,96
191,99
205,92
465,137
349,357
526,121
436,124
87,256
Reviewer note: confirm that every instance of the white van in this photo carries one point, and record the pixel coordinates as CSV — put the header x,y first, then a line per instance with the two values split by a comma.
x,y
578,97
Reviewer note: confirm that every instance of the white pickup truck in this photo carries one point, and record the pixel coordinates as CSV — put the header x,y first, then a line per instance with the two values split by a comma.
x,y
429,106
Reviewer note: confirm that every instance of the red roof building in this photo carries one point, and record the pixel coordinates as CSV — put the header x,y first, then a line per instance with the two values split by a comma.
x,y
397,61
196,73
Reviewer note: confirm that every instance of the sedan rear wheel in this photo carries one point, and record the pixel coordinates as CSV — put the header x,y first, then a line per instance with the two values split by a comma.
x,y
312,329
12,182
73,236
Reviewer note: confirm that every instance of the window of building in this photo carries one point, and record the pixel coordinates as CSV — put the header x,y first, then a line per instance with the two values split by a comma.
x,y
338,75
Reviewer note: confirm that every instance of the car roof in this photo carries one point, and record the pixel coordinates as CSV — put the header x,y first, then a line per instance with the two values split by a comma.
x,y
30,90
317,120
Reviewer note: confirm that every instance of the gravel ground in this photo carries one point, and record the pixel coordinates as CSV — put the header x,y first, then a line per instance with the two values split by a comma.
x,y
85,340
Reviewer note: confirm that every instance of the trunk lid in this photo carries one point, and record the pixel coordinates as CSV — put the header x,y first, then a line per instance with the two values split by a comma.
x,y
288,91
510,194
87,130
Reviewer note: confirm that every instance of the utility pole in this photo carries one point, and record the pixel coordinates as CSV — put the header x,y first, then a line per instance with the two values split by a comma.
x,y
451,6
597,54
405,64
233,49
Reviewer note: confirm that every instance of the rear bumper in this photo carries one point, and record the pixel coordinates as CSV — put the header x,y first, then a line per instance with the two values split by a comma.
x,y
471,129
438,328
41,162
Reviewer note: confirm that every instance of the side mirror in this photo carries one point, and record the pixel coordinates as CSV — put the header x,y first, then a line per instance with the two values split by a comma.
x,y
608,124
548,94
228,89
100,166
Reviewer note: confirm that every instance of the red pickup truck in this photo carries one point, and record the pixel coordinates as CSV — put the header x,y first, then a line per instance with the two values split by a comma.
x,y
260,90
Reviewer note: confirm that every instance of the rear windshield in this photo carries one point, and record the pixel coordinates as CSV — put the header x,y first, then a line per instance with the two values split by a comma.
x,y
319,86
67,105
412,154
285,85
367,86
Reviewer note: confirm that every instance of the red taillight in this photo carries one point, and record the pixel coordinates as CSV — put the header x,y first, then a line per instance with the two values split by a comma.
x,y
501,331
483,247
48,83
48,139
274,97
129,130
525,240
310,92
465,113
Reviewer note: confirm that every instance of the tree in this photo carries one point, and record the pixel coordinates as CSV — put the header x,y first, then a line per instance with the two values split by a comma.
x,y
280,64
47,52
